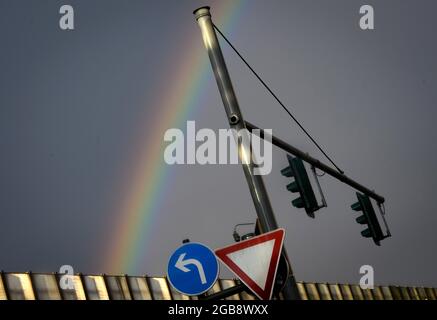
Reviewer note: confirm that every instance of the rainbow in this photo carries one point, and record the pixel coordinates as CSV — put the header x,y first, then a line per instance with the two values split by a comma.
x,y
146,180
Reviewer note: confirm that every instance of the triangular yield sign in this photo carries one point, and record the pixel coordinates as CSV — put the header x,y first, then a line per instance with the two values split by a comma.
x,y
255,261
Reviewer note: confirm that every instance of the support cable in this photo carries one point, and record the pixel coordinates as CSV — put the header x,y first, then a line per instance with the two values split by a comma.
x,y
277,99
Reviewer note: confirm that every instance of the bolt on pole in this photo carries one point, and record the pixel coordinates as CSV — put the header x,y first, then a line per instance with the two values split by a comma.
x,y
255,182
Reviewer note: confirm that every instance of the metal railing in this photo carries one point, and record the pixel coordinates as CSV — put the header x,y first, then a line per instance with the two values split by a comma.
x,y
47,286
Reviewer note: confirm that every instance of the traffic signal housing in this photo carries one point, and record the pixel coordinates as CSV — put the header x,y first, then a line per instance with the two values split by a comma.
x,y
300,185
369,218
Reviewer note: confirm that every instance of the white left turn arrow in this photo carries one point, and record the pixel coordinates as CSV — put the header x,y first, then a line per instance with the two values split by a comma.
x,y
182,264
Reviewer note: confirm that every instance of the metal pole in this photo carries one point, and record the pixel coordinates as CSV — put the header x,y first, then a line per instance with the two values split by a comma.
x,y
225,293
316,163
235,118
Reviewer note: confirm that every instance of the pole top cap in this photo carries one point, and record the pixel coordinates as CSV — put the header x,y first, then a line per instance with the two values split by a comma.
x,y
202,11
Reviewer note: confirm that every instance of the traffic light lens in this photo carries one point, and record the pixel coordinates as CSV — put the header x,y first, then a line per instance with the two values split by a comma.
x,y
356,206
361,220
366,233
287,172
298,203
293,187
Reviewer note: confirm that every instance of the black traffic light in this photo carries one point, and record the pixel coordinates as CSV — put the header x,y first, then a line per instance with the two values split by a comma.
x,y
302,185
369,217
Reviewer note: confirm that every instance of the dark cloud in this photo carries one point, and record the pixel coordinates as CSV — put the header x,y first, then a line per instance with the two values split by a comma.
x,y
71,103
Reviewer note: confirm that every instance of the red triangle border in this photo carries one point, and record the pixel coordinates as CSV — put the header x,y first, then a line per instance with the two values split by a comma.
x,y
278,235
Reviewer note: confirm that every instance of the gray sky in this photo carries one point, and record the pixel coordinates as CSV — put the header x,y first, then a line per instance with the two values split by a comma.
x,y
71,105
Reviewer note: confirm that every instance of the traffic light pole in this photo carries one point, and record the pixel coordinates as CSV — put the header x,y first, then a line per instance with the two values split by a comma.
x,y
235,118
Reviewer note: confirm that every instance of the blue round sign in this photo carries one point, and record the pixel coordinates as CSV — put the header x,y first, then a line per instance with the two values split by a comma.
x,y
193,269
